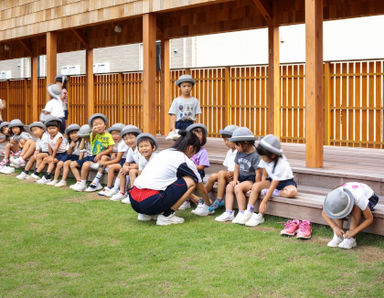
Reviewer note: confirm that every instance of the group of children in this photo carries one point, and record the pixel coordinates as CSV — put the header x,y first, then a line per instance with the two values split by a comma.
x,y
174,178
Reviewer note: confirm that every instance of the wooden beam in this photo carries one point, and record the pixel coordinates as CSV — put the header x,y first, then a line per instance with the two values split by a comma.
x,y
314,124
90,103
51,65
34,87
149,73
264,6
165,81
27,48
80,38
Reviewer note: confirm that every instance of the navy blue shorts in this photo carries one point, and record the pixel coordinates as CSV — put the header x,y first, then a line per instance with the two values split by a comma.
x,y
80,162
183,124
284,183
61,156
152,202
122,161
251,178
202,174
72,157
372,202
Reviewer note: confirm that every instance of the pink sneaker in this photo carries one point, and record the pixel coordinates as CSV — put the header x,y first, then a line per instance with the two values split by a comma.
x,y
290,228
304,230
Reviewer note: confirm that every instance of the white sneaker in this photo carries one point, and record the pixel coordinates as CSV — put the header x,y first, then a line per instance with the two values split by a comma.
x,y
348,243
43,180
110,192
255,220
172,136
7,170
117,197
13,165
186,205
203,210
93,187
34,177
145,217
168,220
61,183
53,182
242,218
21,162
22,176
94,166
226,216
79,186
126,200
336,240
103,191
14,159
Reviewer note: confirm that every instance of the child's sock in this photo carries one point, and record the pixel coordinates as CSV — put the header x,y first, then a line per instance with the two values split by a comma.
x,y
48,176
26,172
250,208
36,172
83,182
97,178
229,211
215,204
117,184
201,201
168,212
276,193
241,211
3,162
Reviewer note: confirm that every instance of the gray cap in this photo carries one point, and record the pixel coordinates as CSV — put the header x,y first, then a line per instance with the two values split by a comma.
x,y
15,123
338,203
130,129
271,144
37,124
98,115
61,78
2,124
228,130
116,127
71,128
54,91
242,134
197,125
185,78
149,136
84,131
52,120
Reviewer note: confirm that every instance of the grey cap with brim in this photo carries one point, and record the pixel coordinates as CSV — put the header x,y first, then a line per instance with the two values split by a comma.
x,y
242,134
4,123
228,130
338,203
186,78
272,144
130,129
197,125
61,78
84,131
54,91
52,120
37,124
116,127
149,136
71,128
15,123
97,115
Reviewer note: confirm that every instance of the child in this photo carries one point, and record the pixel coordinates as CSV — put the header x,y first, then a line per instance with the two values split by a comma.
x,y
277,179
54,106
38,130
111,163
245,174
4,130
223,177
131,165
57,148
185,108
101,143
167,181
355,199
73,152
62,81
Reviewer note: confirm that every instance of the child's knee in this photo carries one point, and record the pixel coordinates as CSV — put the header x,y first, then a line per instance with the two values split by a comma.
x,y
189,181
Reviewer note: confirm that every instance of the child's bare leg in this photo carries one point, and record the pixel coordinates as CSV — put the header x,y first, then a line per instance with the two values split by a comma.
x,y
194,198
59,165
66,168
75,171
123,180
221,183
229,197
132,176
30,163
190,188
355,218
51,165
85,170
25,147
29,150
240,189
288,192
42,165
211,182
256,189
40,158
111,173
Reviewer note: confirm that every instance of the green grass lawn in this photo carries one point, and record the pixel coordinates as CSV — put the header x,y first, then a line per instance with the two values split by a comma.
x,y
55,242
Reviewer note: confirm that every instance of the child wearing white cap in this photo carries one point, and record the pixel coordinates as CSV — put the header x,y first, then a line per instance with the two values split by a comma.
x,y
352,198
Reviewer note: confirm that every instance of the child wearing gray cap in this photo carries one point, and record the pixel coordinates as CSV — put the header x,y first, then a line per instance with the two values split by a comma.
x,y
185,108
352,198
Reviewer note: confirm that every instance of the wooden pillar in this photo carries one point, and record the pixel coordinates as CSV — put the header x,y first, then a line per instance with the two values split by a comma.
x,y
314,125
227,97
273,100
90,103
165,81
51,50
149,73
327,103
34,87
8,101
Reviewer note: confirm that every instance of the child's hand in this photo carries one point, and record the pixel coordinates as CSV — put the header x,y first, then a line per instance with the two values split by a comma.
x,y
72,145
233,183
97,157
349,234
263,207
339,232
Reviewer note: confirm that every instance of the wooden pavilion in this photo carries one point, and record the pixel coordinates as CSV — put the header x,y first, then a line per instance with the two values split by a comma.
x,y
29,28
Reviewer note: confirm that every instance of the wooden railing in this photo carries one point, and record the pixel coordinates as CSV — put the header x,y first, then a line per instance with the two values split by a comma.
x,y
353,97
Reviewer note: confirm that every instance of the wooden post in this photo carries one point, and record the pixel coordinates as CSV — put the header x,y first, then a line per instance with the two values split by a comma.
x,y
273,100
8,100
227,96
327,101
34,87
51,49
314,125
149,73
90,103
121,97
165,81
26,100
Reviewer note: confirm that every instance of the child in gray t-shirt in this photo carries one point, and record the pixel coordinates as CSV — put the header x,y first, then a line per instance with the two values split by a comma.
x,y
185,108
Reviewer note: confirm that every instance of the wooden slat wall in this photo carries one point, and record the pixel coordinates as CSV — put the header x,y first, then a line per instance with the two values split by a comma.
x,y
76,104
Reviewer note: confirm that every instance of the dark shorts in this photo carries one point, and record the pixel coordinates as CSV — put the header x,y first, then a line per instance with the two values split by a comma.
x,y
46,152
152,202
122,161
284,183
251,178
62,126
202,174
80,162
183,124
72,157
66,114
61,156
372,202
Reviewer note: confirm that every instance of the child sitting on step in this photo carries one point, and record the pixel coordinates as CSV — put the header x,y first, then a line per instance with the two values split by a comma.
x,y
352,198
4,131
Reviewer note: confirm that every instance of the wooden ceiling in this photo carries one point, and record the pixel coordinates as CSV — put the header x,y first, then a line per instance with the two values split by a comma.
x,y
199,18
